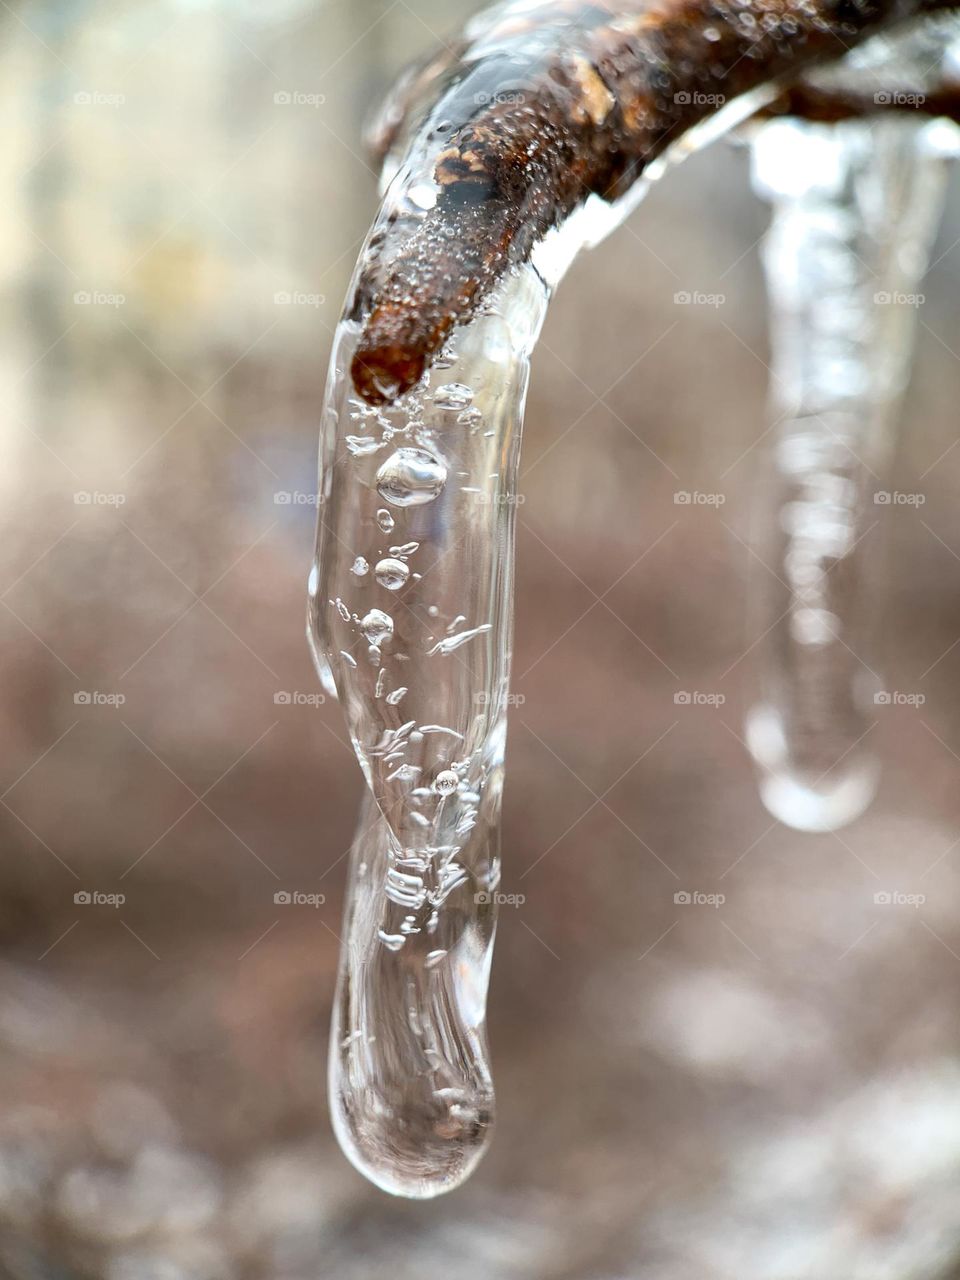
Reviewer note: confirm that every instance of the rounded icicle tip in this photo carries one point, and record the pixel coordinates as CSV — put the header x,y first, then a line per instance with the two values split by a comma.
x,y
424,1156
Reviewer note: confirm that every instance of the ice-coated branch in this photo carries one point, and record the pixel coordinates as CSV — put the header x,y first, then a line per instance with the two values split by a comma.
x,y
543,105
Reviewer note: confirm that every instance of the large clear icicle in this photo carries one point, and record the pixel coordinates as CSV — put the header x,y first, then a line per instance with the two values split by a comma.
x,y
856,206
411,617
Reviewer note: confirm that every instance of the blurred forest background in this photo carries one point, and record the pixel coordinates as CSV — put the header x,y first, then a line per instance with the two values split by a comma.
x,y
768,1089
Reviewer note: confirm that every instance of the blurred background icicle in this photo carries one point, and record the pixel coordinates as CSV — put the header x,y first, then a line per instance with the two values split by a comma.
x,y
856,206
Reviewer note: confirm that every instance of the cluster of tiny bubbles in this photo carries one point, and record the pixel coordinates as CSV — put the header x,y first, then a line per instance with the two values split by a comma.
x,y
411,477
471,417
392,573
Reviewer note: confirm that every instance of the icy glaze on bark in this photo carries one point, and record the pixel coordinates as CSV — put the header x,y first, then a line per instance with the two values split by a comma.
x,y
548,104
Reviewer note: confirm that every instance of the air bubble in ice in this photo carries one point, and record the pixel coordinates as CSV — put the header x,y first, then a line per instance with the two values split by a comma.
x,y
391,573
385,520
411,477
360,446
454,395
377,626
446,782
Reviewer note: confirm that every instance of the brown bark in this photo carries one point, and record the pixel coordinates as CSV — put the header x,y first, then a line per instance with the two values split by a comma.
x,y
831,106
577,98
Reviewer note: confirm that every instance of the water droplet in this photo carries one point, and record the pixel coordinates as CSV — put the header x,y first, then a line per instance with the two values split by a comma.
x,y
391,573
446,782
454,395
395,697
411,477
377,626
360,567
313,582
385,520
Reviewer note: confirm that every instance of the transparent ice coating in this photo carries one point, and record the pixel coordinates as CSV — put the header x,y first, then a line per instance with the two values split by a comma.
x,y
856,206
411,614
